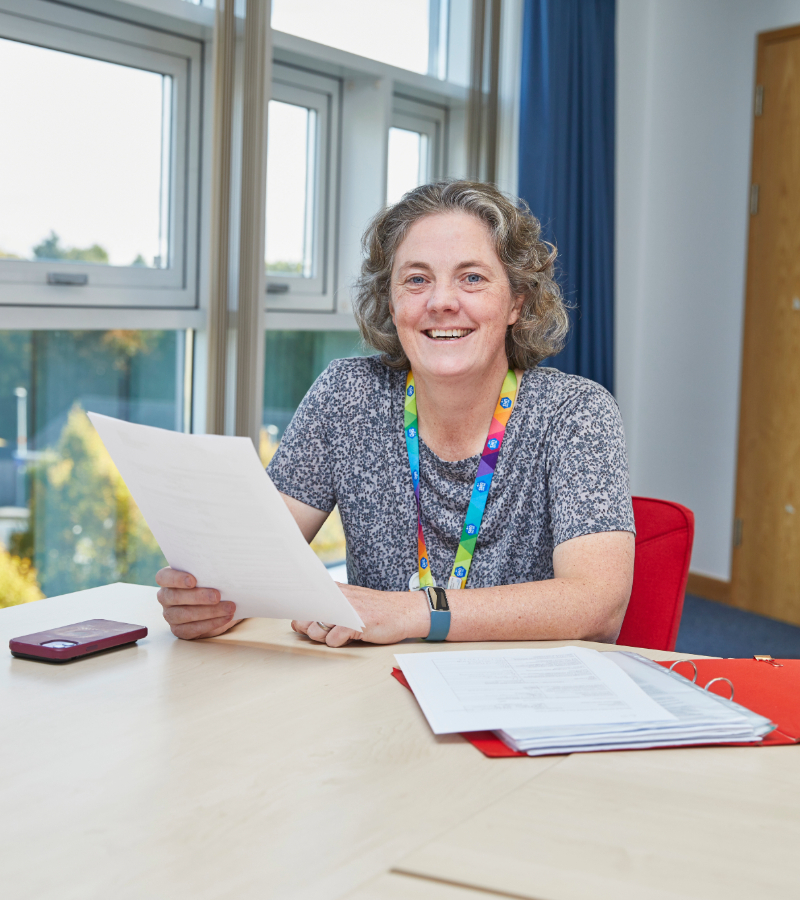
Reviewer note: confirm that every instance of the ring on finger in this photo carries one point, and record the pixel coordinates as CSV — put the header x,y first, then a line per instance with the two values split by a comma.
x,y
324,627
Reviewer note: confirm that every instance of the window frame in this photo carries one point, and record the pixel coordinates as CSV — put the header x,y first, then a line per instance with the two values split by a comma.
x,y
428,119
23,283
322,93
371,92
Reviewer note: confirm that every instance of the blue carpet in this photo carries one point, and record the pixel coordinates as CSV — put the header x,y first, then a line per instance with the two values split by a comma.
x,y
716,629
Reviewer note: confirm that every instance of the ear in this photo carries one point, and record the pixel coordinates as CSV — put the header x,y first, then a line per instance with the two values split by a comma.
x,y
391,311
516,309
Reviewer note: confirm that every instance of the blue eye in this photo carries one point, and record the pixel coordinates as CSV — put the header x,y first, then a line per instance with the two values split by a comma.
x,y
472,278
417,279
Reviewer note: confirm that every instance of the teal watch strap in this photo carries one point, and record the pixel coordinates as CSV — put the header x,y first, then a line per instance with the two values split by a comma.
x,y
440,613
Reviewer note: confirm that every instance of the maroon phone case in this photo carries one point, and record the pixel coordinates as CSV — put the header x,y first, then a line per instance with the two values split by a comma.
x,y
88,637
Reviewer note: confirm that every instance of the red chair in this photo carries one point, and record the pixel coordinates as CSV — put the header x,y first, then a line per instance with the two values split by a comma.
x,y
664,536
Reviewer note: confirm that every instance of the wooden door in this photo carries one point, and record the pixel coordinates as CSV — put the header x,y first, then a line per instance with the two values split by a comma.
x,y
766,554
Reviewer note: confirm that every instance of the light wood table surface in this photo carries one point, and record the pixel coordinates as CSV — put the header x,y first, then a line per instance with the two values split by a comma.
x,y
260,765
721,823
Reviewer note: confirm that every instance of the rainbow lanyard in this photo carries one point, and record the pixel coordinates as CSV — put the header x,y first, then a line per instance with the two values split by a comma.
x,y
480,490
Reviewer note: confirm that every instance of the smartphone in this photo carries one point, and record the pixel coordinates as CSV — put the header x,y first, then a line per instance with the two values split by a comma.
x,y
72,641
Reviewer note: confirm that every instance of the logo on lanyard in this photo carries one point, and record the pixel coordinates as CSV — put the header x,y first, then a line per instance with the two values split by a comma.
x,y
505,402
493,444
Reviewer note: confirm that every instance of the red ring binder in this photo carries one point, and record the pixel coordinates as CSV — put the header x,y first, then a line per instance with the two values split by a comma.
x,y
771,690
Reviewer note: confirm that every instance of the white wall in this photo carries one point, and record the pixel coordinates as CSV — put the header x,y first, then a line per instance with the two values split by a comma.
x,y
685,71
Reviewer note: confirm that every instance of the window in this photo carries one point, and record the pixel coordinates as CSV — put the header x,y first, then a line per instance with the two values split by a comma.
x,y
291,188
100,209
301,168
416,149
292,361
408,162
65,508
397,32
103,196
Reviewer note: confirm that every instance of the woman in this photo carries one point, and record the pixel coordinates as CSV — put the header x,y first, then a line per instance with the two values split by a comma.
x,y
454,460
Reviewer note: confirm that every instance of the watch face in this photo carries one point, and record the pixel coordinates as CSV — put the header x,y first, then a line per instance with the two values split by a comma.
x,y
438,599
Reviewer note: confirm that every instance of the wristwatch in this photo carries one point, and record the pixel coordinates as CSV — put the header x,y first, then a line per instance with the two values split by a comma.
x,y
440,613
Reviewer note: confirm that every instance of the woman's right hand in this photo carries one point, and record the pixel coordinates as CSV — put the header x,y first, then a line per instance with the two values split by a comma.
x,y
193,612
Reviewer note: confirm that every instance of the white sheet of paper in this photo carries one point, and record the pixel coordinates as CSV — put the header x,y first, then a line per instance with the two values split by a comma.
x,y
488,690
215,513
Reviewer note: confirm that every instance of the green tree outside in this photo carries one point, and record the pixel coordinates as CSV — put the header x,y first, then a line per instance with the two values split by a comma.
x,y
50,248
18,582
280,267
84,528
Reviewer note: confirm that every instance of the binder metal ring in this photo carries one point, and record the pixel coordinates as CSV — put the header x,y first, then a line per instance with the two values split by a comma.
x,y
730,684
691,663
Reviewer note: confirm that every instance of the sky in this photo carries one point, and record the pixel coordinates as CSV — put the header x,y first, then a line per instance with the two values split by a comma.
x,y
405,150
392,31
81,153
287,164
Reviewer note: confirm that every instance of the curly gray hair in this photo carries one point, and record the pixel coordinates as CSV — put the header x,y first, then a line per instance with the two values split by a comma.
x,y
528,260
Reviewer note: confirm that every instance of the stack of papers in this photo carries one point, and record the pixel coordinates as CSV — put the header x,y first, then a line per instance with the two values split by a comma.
x,y
571,699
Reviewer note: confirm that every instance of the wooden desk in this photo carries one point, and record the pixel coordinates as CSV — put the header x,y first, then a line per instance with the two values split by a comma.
x,y
259,765
712,823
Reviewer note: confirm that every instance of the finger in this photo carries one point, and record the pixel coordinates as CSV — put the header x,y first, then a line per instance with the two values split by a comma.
x,y
221,629
316,632
339,636
194,597
208,628
181,615
174,578
301,627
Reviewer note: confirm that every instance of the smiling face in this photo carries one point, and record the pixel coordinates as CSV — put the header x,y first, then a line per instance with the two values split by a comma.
x,y
451,301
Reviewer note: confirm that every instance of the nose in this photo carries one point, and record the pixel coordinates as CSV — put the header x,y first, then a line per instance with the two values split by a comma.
x,y
443,297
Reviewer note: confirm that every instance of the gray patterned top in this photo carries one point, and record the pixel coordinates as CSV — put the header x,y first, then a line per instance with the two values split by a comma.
x,y
562,472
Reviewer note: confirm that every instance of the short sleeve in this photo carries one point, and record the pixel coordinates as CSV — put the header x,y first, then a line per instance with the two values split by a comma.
x,y
587,469
303,466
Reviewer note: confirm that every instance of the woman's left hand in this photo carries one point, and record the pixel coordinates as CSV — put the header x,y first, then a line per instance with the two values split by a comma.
x,y
388,617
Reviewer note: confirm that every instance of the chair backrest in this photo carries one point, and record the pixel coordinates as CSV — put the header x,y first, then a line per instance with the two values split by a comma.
x,y
664,536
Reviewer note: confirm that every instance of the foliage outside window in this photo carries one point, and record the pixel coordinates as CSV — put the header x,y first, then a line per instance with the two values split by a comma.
x,y
69,520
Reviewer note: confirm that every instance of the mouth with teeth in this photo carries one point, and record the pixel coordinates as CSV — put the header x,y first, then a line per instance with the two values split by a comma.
x,y
447,334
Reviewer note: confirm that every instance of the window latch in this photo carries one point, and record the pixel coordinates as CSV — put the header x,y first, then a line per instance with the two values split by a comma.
x,y
67,278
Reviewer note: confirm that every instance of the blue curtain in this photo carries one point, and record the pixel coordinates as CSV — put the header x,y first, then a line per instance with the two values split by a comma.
x,y
566,164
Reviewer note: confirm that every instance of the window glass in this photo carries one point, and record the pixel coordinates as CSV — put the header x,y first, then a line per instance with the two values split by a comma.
x,y
408,162
293,360
291,164
302,166
86,176
392,31
67,521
